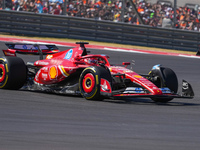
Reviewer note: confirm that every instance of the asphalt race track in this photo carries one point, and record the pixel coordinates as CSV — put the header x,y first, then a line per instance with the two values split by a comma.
x,y
42,121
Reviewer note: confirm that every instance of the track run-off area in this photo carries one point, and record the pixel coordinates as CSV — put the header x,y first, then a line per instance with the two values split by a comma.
x,y
43,121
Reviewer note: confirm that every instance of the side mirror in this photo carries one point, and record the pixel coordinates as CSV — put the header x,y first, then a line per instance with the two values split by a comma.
x,y
126,64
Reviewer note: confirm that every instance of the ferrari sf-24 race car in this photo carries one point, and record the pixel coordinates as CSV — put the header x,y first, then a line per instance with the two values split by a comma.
x,y
76,72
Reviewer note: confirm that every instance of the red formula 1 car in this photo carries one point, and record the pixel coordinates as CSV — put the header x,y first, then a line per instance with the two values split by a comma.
x,y
75,72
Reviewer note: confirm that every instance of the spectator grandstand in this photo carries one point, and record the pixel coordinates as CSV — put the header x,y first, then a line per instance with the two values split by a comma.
x,y
155,15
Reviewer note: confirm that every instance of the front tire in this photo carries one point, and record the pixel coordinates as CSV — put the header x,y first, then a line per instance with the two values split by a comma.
x,y
12,73
166,78
89,82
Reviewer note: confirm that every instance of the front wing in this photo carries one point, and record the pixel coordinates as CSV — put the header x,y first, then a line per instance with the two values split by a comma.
x,y
187,92
153,96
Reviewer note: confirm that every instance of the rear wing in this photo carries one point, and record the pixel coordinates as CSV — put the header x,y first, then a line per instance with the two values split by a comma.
x,y
33,49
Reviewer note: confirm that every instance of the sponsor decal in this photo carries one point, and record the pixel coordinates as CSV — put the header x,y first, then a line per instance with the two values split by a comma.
x,y
156,67
105,86
69,54
42,63
165,90
24,47
53,72
185,85
134,90
137,76
45,69
126,71
119,68
55,51
138,90
44,76
9,54
35,47
56,61
49,57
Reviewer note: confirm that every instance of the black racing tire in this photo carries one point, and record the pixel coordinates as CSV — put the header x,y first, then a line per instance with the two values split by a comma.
x,y
13,73
89,82
169,80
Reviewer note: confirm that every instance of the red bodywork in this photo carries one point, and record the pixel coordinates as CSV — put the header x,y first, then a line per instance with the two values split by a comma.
x,y
60,66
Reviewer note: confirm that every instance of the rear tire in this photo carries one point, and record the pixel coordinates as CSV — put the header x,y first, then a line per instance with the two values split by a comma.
x,y
169,80
13,73
89,82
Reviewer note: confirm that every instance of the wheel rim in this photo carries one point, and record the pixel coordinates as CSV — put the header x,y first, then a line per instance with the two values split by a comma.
x,y
88,83
2,72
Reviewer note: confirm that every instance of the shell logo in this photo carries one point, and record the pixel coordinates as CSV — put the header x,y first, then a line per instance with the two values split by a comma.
x,y
137,76
53,72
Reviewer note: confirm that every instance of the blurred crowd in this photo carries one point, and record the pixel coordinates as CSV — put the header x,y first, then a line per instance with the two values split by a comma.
x,y
156,15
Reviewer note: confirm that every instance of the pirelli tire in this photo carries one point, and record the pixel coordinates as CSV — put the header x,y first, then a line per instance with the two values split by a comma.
x,y
89,82
13,73
168,79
